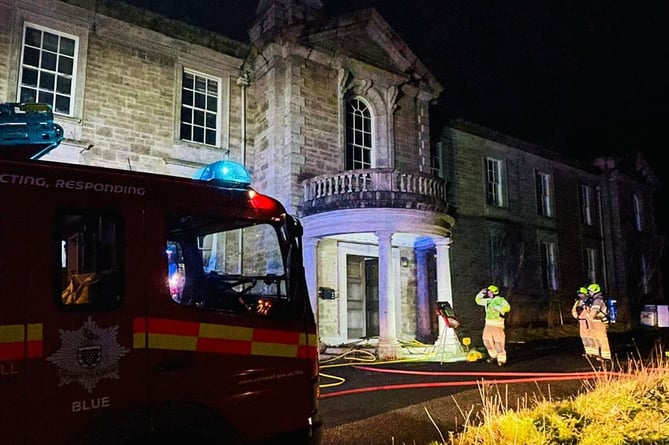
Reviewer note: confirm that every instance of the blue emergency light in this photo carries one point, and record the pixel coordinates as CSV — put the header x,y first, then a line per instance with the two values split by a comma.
x,y
226,173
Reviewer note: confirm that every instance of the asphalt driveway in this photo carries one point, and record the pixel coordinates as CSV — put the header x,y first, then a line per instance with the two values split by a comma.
x,y
415,402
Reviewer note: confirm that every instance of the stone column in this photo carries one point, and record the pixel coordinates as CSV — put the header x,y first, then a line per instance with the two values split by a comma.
x,y
448,346
389,348
310,260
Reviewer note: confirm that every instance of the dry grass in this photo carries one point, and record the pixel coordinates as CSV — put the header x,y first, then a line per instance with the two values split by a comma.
x,y
629,406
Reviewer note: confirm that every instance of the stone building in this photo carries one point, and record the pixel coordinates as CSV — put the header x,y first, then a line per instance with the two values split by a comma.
x,y
331,115
541,225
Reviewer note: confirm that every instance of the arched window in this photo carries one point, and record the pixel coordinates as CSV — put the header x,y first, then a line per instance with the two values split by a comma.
x,y
358,135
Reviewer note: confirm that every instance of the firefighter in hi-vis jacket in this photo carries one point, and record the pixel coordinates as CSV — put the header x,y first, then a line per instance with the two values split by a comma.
x,y
578,312
494,337
598,317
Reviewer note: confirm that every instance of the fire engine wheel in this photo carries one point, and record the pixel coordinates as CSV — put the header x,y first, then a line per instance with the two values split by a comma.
x,y
173,438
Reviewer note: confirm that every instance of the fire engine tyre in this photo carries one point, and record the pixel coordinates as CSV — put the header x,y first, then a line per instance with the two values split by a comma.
x,y
191,438
171,424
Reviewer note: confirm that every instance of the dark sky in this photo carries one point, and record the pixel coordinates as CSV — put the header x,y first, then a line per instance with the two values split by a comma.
x,y
581,76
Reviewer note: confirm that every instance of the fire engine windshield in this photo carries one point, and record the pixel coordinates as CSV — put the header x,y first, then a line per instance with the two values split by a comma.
x,y
228,267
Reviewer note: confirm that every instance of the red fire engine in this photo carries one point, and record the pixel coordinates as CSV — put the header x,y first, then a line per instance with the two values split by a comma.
x,y
140,308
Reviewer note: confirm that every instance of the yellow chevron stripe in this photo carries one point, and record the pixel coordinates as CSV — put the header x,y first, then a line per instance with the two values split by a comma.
x,y
274,349
35,331
209,330
12,333
175,342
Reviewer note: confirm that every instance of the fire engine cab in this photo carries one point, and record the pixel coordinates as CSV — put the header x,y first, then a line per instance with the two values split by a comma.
x,y
139,308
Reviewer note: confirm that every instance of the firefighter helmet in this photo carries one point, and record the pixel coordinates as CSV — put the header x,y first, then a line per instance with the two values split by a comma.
x,y
594,288
494,289
582,291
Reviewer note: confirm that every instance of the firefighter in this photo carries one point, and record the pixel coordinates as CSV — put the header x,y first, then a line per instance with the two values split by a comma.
x,y
579,312
494,337
597,314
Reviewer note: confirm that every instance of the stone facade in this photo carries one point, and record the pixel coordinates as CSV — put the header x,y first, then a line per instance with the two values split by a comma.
x,y
611,233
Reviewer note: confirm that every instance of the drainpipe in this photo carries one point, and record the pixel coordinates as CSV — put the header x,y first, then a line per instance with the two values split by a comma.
x,y
243,82
603,241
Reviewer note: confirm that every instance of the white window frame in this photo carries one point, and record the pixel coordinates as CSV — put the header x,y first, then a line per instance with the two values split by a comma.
x,y
638,212
51,81
544,190
437,161
189,111
645,273
549,265
499,259
359,134
494,176
590,260
586,197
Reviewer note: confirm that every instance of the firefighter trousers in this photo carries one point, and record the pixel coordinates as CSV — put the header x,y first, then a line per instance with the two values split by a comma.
x,y
494,340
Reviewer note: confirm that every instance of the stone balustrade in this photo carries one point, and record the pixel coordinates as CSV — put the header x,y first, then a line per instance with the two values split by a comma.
x,y
382,187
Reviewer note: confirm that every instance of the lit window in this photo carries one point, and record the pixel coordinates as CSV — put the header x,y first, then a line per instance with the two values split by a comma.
x,y
47,68
586,204
494,182
549,265
358,135
544,194
200,119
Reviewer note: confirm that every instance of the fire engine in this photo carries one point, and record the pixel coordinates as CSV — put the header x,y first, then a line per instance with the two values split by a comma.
x,y
142,308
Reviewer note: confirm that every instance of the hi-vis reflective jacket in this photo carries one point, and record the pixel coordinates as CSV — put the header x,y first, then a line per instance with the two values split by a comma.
x,y
495,308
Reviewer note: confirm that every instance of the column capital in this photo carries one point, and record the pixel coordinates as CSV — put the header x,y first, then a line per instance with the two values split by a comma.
x,y
443,242
384,234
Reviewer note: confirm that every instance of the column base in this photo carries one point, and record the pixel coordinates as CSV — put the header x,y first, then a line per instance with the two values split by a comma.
x,y
389,350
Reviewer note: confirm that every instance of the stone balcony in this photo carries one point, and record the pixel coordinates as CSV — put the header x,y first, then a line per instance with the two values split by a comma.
x,y
374,188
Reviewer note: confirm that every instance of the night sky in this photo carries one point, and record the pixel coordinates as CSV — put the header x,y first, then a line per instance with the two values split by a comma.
x,y
582,77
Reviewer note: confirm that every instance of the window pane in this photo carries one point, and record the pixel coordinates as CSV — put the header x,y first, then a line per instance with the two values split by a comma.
x,y
188,81
185,132
200,100
48,61
67,46
211,137
33,37
62,104
200,85
29,77
211,120
63,85
31,57
50,42
65,65
45,97
47,81
198,117
212,104
198,134
28,95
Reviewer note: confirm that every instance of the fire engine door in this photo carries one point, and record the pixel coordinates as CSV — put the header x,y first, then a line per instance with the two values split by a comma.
x,y
13,328
85,287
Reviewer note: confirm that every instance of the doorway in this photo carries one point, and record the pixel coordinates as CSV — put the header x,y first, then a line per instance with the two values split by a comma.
x,y
362,296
